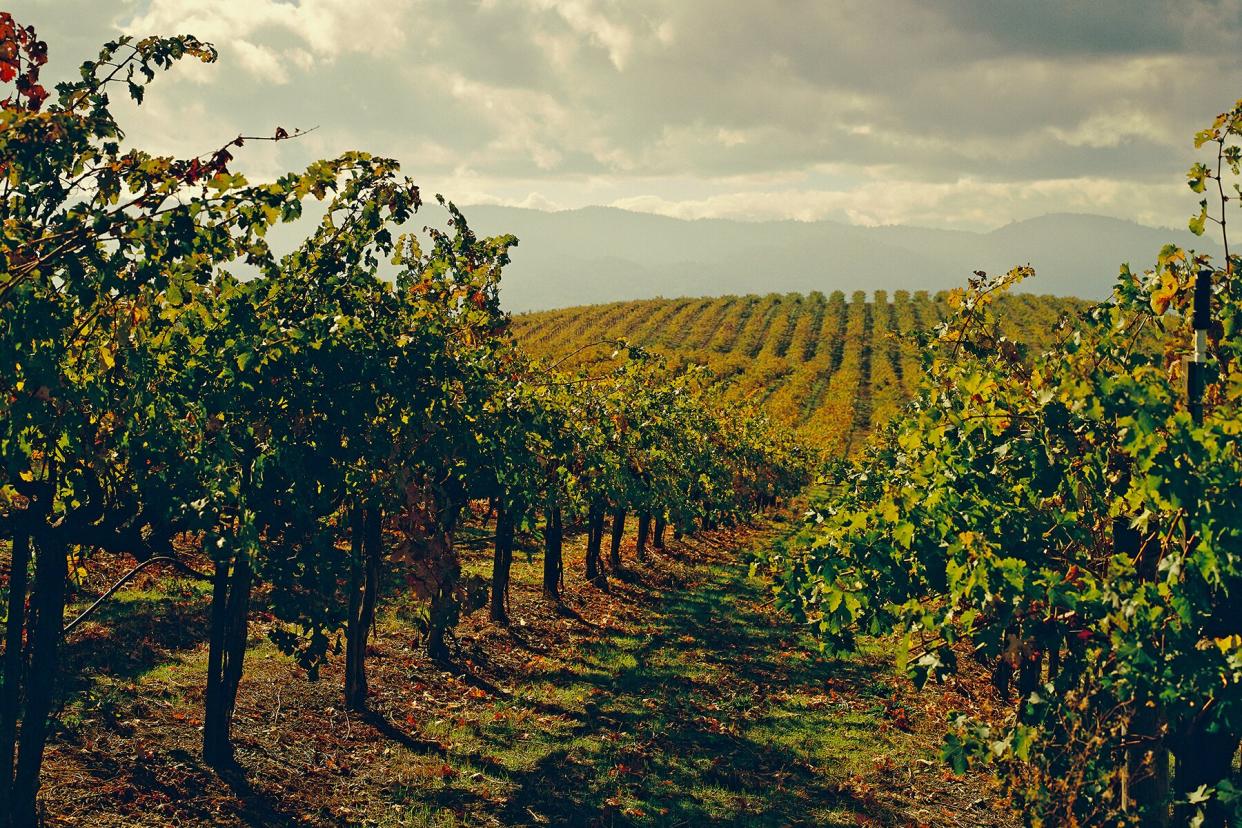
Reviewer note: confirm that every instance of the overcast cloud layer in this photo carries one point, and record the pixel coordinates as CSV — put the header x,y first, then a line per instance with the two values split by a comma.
x,y
960,113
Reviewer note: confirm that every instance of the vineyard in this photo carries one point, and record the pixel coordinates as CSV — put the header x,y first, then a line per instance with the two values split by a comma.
x,y
292,456
330,538
832,367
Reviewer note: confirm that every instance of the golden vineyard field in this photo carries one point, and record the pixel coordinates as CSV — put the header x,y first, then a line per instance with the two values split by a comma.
x,y
834,366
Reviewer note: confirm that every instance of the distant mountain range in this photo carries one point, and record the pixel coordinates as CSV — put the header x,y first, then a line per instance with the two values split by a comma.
x,y
604,254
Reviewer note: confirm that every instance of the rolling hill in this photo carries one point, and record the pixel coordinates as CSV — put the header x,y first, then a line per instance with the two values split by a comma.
x,y
831,365
603,254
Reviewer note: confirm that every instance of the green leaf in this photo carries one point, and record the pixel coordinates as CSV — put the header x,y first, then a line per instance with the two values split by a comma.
x,y
1197,222
903,534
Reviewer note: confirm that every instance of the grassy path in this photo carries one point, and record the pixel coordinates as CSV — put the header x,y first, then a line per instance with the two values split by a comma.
x,y
705,715
678,698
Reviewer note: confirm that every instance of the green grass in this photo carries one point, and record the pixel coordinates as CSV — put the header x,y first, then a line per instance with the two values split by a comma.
x,y
675,701
710,714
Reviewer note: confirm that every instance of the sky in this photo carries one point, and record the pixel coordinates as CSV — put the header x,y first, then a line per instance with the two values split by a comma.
x,y
963,114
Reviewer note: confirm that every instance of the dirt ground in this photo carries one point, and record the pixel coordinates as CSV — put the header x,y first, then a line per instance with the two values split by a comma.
x,y
678,697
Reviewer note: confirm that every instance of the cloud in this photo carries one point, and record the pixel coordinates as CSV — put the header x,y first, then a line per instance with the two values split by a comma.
x,y
319,29
586,18
968,204
946,112
261,61
532,201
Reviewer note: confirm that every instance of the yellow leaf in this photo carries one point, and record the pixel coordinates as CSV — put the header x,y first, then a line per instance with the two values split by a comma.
x,y
1170,254
1162,296
1229,643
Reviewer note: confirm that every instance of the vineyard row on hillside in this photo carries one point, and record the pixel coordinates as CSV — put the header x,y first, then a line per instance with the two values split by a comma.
x,y
834,366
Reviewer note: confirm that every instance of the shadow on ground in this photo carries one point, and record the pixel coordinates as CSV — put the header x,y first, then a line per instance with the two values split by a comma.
x,y
688,726
677,699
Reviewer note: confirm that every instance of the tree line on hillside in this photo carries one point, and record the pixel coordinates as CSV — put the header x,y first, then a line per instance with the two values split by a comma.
x,y
309,428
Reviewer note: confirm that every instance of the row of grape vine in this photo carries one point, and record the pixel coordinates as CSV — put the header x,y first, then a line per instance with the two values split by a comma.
x,y
313,431
834,368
